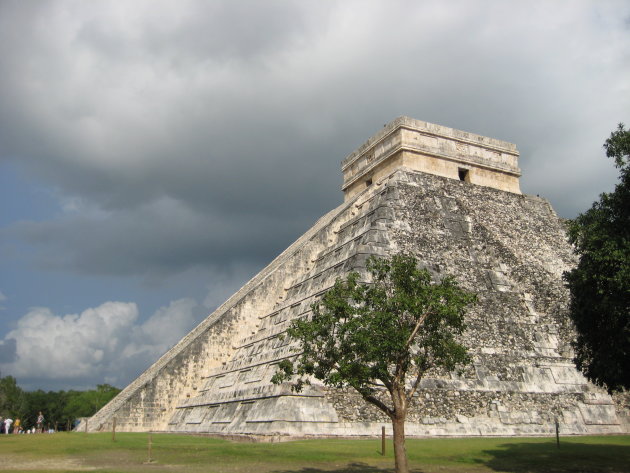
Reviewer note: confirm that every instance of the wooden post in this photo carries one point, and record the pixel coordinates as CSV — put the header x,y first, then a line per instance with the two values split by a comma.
x,y
68,428
114,430
150,442
86,425
557,433
383,440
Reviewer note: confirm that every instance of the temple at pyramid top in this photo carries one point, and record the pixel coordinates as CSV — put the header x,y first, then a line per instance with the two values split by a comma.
x,y
434,149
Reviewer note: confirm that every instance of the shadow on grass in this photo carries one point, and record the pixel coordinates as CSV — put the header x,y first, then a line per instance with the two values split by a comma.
x,y
349,468
569,458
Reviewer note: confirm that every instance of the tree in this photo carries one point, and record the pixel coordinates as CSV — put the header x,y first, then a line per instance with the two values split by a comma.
x,y
50,403
12,400
600,284
381,338
88,403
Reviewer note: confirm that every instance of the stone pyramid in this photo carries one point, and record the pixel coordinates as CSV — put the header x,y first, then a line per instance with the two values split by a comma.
x,y
451,198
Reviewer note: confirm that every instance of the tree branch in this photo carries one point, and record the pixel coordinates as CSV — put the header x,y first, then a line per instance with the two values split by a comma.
x,y
414,386
416,328
378,403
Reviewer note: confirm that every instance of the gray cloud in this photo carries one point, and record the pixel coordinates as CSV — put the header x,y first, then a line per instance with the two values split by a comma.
x,y
161,237
201,131
198,137
8,350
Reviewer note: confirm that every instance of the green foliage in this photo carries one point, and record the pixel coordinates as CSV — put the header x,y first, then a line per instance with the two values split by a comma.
x,y
12,398
369,335
600,284
618,146
50,403
381,337
58,407
88,403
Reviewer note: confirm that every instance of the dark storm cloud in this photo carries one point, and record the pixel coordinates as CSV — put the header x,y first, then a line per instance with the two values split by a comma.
x,y
203,133
8,351
193,140
159,238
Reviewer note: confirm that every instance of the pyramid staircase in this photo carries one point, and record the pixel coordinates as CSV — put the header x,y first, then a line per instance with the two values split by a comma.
x,y
452,199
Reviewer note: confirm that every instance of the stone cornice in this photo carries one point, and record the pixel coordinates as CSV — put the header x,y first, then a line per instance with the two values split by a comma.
x,y
430,129
437,132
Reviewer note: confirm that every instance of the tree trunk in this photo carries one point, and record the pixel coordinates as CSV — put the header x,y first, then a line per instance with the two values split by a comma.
x,y
400,452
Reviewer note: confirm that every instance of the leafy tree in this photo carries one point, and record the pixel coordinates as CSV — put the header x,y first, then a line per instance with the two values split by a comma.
x,y
49,402
381,338
600,284
87,403
12,398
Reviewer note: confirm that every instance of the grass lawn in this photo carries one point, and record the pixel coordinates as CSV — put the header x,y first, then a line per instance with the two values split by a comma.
x,y
175,453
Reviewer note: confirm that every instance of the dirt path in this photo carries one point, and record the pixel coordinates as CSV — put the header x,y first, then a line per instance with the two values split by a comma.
x,y
68,464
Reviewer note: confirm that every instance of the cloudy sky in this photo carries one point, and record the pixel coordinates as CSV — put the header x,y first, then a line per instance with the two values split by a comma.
x,y
154,155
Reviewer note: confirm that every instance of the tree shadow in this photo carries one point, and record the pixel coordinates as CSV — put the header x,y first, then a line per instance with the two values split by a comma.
x,y
349,468
569,458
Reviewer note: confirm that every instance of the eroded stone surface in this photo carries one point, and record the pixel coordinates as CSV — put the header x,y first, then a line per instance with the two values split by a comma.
x,y
509,248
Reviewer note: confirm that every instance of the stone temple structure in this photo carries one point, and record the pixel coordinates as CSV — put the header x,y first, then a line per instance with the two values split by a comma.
x,y
450,197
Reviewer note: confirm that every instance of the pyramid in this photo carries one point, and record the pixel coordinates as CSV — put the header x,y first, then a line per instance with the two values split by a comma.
x,y
452,199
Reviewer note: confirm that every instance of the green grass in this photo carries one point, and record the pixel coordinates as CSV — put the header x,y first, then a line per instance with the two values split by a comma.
x,y
174,453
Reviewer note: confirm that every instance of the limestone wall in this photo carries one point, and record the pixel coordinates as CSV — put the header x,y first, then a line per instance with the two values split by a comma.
x,y
433,149
508,248
149,401
511,250
238,397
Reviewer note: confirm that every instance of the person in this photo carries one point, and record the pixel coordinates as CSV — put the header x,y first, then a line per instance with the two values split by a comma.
x,y
7,425
40,422
16,426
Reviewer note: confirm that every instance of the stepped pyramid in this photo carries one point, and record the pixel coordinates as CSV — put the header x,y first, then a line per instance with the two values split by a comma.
x,y
451,198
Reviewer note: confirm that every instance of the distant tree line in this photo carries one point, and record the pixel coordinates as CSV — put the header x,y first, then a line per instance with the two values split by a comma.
x,y
60,408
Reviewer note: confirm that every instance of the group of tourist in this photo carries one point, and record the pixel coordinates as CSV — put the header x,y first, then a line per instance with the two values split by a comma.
x,y
18,428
